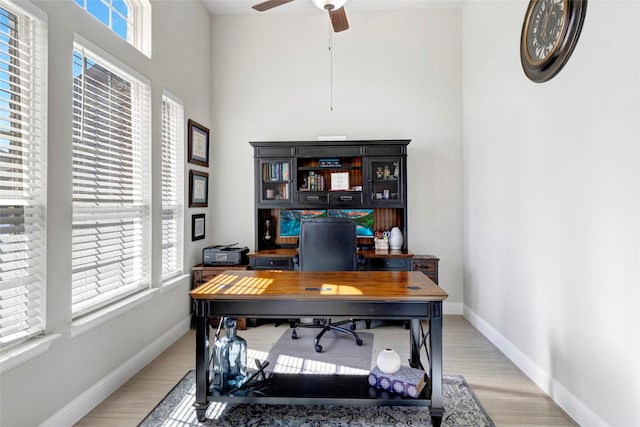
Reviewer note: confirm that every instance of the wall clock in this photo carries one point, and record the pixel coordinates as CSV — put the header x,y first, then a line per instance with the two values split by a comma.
x,y
550,32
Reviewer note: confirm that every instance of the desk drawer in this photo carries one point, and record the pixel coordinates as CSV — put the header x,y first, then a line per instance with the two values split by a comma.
x,y
426,267
388,264
427,264
345,198
272,263
312,198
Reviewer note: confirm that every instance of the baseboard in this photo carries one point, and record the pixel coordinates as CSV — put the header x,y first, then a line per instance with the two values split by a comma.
x,y
88,400
573,406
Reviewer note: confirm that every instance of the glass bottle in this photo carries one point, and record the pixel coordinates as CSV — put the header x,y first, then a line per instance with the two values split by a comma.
x,y
229,358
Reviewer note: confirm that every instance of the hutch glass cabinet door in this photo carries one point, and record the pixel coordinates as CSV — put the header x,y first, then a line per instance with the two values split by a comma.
x,y
275,181
385,180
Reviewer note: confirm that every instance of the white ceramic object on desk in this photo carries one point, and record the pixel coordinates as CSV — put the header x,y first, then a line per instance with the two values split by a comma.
x,y
395,239
388,361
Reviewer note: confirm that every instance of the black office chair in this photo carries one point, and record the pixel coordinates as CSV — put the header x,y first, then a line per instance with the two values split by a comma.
x,y
327,244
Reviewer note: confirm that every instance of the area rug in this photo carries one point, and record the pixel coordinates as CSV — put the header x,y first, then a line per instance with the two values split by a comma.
x,y
340,355
462,409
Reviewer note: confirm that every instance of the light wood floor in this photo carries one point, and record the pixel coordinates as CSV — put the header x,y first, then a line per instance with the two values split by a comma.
x,y
508,396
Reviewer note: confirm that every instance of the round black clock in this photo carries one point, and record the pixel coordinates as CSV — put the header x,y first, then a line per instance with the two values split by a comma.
x,y
550,32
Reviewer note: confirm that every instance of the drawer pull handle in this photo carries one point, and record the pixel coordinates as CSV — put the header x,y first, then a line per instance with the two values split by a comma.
x,y
346,198
313,197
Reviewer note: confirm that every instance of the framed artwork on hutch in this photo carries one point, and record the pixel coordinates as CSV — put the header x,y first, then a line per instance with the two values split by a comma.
x,y
197,227
198,141
198,189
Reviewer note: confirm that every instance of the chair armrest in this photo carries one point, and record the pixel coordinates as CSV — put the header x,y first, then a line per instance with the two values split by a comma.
x,y
296,262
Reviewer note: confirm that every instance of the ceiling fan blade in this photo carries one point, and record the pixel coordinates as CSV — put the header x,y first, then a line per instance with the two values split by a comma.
x,y
339,19
269,4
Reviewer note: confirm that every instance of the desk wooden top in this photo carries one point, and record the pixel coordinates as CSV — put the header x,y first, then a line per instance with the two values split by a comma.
x,y
340,285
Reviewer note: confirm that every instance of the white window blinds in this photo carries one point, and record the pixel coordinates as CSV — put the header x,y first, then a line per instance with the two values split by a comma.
x,y
172,186
111,182
22,173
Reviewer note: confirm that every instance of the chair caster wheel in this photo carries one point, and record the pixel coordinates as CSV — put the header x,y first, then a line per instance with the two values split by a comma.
x,y
294,335
358,341
318,348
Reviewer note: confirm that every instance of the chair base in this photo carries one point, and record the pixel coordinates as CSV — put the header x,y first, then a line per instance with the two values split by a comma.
x,y
327,325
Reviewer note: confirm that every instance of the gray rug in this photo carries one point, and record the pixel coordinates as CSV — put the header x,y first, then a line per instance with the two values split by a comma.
x,y
462,409
341,356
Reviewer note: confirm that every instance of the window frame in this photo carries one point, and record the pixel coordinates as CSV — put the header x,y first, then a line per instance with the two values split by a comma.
x,y
138,21
84,212
175,168
23,277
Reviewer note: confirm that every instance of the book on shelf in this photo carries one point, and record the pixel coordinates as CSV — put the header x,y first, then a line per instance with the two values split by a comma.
x,y
316,182
312,181
330,163
276,171
406,381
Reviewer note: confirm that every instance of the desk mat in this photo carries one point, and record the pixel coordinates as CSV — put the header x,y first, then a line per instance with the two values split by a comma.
x,y
340,354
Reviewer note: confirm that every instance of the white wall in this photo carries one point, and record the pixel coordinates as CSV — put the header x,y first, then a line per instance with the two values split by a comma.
x,y
551,178
395,75
58,385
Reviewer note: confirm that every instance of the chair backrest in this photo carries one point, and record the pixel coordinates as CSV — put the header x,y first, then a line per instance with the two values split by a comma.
x,y
327,244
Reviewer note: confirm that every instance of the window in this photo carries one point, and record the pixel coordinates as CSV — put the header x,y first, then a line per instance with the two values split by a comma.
x,y
111,182
22,174
129,19
115,14
172,185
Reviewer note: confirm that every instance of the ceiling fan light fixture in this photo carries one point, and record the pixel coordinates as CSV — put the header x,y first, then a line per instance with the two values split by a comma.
x,y
329,4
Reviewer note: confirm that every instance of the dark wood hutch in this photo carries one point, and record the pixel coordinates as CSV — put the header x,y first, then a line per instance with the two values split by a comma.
x,y
298,178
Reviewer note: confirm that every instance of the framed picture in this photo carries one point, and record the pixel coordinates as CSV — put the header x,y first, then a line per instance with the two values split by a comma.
x,y
197,227
340,181
198,189
198,140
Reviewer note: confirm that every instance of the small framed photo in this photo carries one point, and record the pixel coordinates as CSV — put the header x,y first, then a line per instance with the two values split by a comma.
x,y
198,140
340,181
198,189
197,227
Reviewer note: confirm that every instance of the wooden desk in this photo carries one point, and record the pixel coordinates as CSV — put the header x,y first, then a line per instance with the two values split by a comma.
x,y
286,294
202,273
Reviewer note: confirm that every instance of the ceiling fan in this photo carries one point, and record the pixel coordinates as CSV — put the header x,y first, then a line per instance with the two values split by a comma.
x,y
334,7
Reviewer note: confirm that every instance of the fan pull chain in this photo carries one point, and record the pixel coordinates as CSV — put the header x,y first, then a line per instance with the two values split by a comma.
x,y
331,68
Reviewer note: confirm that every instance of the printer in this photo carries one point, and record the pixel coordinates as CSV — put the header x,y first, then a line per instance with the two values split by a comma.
x,y
225,255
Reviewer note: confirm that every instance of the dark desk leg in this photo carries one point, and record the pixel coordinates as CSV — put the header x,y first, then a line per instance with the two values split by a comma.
x,y
415,338
435,338
202,360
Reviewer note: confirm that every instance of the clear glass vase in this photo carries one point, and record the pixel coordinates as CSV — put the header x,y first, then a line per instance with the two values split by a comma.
x,y
229,358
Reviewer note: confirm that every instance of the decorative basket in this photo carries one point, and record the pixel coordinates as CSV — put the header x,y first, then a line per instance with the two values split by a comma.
x,y
381,244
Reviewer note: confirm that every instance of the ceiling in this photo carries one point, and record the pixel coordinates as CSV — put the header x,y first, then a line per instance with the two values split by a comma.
x,y
241,7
